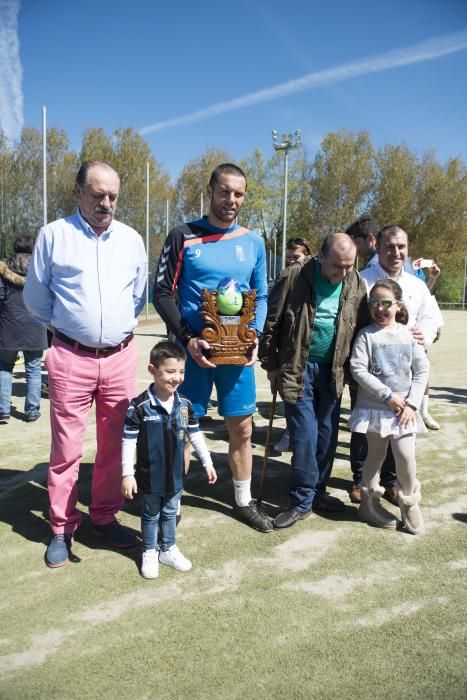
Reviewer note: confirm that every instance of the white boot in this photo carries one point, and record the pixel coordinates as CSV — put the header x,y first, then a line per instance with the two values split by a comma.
x,y
427,419
411,514
372,511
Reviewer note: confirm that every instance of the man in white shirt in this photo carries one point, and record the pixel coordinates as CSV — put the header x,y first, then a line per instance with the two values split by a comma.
x,y
86,283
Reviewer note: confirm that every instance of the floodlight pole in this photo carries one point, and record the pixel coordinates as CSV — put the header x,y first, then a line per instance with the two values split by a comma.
x,y
275,257
464,291
288,142
44,164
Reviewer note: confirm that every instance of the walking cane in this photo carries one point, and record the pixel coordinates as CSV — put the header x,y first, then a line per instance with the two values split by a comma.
x,y
266,445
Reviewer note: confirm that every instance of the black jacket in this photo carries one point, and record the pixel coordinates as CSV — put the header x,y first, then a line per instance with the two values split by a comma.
x,y
18,329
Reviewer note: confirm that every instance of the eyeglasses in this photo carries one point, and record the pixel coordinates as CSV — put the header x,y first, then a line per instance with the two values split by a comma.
x,y
384,303
296,241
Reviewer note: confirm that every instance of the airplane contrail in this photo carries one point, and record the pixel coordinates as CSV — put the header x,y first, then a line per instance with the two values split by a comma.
x,y
11,72
417,53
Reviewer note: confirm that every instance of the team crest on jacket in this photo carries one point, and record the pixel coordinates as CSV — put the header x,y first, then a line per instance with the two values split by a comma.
x,y
240,253
184,416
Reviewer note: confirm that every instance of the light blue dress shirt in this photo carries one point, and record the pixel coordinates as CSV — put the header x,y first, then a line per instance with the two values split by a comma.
x,y
89,287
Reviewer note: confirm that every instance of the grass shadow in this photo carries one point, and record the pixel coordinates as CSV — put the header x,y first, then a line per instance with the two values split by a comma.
x,y
452,394
24,507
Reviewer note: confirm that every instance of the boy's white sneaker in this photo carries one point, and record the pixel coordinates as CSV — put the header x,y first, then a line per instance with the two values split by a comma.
x,y
150,564
174,558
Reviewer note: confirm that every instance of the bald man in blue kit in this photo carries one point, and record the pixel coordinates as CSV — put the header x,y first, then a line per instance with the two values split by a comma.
x,y
198,256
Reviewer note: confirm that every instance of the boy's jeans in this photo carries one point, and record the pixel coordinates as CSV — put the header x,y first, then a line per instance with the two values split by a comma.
x,y
155,509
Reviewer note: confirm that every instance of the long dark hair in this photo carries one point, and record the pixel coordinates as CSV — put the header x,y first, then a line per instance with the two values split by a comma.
x,y
402,315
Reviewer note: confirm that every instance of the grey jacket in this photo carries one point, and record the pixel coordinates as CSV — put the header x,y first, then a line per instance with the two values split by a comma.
x,y
385,361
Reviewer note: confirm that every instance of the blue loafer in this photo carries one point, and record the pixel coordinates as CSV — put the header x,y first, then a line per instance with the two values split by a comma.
x,y
116,535
58,551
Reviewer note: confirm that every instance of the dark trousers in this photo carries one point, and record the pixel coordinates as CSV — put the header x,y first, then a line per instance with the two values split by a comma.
x,y
313,424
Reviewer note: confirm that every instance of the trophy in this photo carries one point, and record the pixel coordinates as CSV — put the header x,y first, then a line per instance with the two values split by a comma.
x,y
227,311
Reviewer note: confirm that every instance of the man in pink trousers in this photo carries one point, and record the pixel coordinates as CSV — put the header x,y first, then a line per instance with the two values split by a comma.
x,y
86,283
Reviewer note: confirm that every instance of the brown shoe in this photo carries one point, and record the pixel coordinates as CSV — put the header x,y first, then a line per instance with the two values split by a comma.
x,y
355,494
391,495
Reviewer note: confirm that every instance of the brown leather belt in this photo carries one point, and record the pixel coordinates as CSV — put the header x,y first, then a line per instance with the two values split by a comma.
x,y
97,352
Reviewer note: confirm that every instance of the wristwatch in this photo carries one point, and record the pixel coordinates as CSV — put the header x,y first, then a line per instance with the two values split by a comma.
x,y
188,337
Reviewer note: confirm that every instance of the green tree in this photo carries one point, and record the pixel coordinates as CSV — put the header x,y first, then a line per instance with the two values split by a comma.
x,y
259,209
429,202
21,183
62,165
6,186
97,145
128,153
397,173
342,180
192,183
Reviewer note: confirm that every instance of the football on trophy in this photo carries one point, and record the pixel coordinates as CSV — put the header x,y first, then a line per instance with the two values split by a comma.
x,y
229,297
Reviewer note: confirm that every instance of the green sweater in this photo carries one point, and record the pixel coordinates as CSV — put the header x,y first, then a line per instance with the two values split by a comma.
x,y
324,326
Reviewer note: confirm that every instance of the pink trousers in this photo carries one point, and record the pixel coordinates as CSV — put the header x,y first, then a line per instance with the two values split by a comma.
x,y
76,380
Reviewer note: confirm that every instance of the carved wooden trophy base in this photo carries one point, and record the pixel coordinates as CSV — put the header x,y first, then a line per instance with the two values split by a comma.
x,y
231,340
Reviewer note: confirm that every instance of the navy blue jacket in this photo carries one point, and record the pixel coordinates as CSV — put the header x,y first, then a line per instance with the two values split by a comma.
x,y
160,440
18,329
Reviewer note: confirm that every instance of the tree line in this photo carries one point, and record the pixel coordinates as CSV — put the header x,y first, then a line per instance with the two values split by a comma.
x,y
346,178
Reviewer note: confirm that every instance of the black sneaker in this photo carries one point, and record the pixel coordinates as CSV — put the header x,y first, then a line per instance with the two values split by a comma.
x,y
324,503
32,416
4,418
254,517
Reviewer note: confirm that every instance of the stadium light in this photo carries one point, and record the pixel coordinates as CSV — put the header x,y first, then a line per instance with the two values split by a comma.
x,y
287,142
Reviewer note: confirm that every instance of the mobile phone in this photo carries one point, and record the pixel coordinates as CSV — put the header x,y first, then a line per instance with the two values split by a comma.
x,y
423,262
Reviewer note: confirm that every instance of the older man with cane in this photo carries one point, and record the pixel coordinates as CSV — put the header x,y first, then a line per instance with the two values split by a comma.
x,y
314,312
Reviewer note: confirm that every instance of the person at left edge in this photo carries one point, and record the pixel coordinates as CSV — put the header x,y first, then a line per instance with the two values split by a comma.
x,y
196,256
87,282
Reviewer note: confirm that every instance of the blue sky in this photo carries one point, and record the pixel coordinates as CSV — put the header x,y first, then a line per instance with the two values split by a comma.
x,y
96,63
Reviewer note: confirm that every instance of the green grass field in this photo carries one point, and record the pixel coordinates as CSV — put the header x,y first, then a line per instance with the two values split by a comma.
x,y
331,608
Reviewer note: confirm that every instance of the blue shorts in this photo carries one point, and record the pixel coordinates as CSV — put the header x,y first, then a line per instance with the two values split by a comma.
x,y
236,388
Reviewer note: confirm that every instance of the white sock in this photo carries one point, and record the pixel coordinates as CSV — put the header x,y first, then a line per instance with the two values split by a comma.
x,y
242,492
424,406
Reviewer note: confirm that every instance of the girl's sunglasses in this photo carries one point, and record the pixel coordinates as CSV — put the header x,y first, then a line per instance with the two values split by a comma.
x,y
384,303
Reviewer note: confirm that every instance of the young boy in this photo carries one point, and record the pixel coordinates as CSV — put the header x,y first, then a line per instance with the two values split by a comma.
x,y
156,426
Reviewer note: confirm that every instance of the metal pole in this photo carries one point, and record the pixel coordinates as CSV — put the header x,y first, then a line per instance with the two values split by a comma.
x,y
202,206
167,218
275,256
287,142
284,222
147,239
266,446
44,163
465,284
